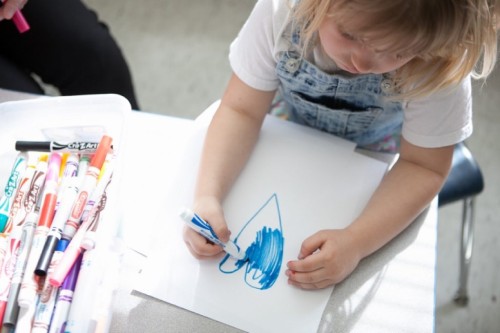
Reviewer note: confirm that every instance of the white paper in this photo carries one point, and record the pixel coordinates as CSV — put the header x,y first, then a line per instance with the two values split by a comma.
x,y
149,173
316,180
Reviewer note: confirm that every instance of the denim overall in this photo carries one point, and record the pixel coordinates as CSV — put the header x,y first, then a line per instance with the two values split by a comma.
x,y
351,107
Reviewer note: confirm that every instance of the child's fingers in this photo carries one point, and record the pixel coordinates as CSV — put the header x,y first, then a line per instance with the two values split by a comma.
x,y
308,264
306,277
311,286
221,231
311,244
199,246
214,216
317,279
9,7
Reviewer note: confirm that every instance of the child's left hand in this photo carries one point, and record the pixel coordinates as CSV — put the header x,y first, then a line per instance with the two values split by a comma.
x,y
325,258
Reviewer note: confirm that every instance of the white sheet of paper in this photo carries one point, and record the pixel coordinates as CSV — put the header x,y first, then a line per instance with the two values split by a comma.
x,y
312,180
150,186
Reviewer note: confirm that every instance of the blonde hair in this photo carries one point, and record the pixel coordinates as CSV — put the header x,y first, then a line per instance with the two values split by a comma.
x,y
449,38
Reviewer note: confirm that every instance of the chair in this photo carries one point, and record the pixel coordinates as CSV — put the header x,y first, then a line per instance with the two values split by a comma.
x,y
464,182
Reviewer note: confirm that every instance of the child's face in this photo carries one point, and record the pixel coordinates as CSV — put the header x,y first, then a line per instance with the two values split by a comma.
x,y
354,55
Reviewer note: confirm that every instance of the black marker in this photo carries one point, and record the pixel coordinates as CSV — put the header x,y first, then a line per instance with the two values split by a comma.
x,y
78,147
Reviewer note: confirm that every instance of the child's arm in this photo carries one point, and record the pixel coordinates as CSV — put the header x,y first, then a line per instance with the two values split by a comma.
x,y
230,139
405,191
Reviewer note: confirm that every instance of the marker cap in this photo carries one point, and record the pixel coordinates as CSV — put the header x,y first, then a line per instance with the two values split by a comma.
x,y
52,244
101,152
64,267
33,145
234,250
12,309
89,241
54,167
3,221
20,22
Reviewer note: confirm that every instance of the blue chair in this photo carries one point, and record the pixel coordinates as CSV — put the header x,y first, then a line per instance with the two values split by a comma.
x,y
464,182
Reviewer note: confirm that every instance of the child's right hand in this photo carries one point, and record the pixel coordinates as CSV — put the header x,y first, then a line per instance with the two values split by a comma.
x,y
209,209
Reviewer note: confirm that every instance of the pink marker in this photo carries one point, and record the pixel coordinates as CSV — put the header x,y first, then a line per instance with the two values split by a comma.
x,y
20,22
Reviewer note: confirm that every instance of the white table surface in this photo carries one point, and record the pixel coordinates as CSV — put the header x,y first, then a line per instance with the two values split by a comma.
x,y
390,291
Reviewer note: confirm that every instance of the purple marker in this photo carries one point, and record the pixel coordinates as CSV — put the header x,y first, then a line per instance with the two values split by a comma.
x,y
65,298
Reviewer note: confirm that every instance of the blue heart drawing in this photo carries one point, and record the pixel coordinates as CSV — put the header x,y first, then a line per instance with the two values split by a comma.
x,y
263,255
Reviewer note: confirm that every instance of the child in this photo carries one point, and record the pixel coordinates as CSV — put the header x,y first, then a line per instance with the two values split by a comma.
x,y
390,75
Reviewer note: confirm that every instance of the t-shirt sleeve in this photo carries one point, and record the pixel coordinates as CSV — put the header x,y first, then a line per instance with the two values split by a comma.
x,y
251,53
442,119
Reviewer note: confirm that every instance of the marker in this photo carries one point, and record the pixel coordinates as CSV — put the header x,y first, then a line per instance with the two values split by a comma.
x,y
26,199
25,319
12,307
204,229
98,274
64,299
90,238
75,247
69,169
17,212
54,235
62,167
88,185
73,202
92,270
27,293
20,22
48,296
77,147
10,188
83,166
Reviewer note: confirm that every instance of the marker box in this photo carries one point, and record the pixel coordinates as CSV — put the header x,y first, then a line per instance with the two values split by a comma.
x,y
67,119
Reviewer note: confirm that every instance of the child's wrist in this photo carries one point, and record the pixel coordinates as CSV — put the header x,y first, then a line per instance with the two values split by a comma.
x,y
360,240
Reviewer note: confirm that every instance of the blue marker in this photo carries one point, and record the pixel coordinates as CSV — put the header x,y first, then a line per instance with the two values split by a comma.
x,y
204,229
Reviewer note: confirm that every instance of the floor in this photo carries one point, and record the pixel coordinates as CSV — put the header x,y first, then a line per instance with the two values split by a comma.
x,y
177,51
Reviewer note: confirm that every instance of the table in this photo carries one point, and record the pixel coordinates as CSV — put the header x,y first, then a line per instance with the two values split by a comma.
x,y
390,291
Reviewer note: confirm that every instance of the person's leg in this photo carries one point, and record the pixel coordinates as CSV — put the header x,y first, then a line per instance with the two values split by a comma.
x,y
14,78
70,49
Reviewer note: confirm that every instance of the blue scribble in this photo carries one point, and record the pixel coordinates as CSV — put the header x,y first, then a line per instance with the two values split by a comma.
x,y
264,256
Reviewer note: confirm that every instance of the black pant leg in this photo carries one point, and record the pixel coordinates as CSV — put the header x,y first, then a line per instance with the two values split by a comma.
x,y
14,78
68,47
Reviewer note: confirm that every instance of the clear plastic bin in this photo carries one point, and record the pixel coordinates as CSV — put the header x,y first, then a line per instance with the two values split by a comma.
x,y
76,118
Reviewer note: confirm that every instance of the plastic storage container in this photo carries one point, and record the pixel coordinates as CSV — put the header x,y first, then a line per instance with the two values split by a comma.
x,y
66,119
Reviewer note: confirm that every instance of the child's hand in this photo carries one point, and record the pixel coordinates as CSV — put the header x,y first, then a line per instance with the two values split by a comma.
x,y
210,210
325,258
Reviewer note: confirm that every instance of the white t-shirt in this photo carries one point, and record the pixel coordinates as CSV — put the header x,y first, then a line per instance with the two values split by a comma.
x,y
442,119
